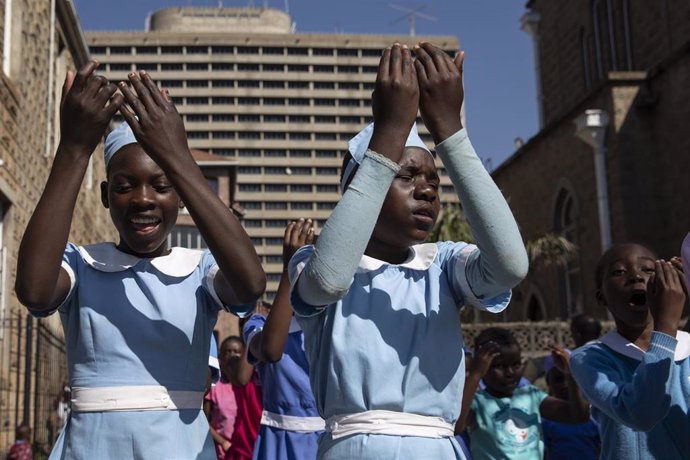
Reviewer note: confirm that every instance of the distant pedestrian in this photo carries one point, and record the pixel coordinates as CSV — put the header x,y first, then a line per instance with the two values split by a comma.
x,y
584,329
21,449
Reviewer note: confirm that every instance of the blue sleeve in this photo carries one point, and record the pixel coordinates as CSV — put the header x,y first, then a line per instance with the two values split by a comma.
x,y
453,258
501,261
253,326
295,268
209,269
70,259
639,404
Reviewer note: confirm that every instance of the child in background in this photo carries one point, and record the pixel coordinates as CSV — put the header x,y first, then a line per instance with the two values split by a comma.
x,y
230,406
563,441
137,315
636,377
21,449
290,423
584,329
504,420
248,394
379,309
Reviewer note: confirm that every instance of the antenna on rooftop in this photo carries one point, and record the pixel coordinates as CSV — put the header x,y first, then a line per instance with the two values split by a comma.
x,y
411,14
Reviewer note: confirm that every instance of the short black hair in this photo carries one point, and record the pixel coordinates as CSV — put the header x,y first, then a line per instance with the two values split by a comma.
x,y
232,338
603,260
586,325
500,336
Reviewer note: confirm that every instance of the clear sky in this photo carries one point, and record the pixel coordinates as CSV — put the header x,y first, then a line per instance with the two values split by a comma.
x,y
500,88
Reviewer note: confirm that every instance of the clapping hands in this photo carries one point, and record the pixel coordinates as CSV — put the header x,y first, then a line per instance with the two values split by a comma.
x,y
431,83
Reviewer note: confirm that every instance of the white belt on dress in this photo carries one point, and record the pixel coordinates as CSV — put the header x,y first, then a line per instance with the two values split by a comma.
x,y
133,398
389,423
292,422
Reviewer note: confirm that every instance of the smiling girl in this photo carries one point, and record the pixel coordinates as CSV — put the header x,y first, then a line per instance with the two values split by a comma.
x,y
137,314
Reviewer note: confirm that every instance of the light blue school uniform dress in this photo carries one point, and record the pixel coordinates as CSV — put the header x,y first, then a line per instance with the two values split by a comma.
x,y
286,392
134,322
393,343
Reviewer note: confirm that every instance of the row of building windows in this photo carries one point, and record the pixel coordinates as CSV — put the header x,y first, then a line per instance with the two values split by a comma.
x,y
278,241
268,135
266,84
285,205
293,188
295,153
292,170
271,118
239,67
299,188
272,101
234,50
271,223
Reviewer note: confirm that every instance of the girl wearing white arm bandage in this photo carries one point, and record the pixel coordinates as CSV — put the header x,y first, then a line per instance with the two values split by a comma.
x,y
379,309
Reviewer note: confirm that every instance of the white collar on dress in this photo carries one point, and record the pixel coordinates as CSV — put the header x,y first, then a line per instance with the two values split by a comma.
x,y
620,344
421,257
105,257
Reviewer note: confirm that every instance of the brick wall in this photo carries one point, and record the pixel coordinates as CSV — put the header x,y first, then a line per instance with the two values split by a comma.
x,y
28,119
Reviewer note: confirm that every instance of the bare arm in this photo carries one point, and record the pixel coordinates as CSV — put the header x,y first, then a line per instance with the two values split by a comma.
x,y
575,409
481,363
88,104
217,437
160,131
268,345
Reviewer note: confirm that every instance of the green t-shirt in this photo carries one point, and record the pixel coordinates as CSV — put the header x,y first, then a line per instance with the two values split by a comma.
x,y
508,428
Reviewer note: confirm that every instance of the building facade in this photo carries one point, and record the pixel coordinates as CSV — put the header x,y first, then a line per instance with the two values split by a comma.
x,y
39,42
283,103
614,84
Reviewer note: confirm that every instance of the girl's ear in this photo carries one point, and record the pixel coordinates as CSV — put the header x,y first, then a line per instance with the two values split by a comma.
x,y
181,204
104,194
600,297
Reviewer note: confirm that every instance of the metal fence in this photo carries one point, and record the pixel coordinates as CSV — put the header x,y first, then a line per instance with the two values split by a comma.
x,y
33,372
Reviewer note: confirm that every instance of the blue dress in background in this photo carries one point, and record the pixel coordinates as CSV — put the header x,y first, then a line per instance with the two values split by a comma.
x,y
131,321
286,391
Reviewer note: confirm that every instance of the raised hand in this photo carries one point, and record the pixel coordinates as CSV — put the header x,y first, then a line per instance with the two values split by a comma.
x,y
667,297
87,105
561,359
483,358
297,234
440,90
157,126
394,102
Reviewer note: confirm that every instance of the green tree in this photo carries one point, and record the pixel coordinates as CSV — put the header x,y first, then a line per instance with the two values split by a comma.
x,y
548,250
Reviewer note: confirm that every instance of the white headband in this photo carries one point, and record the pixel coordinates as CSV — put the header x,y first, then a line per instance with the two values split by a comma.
x,y
117,139
359,144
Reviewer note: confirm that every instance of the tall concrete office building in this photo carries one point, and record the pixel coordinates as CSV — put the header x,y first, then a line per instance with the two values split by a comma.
x,y
283,103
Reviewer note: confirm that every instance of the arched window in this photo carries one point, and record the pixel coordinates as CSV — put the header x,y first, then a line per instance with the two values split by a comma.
x,y
565,224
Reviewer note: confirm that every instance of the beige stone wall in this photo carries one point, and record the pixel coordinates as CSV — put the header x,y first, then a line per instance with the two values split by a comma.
x,y
29,131
646,148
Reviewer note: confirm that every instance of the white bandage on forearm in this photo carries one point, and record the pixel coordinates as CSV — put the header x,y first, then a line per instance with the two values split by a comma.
x,y
501,261
327,276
